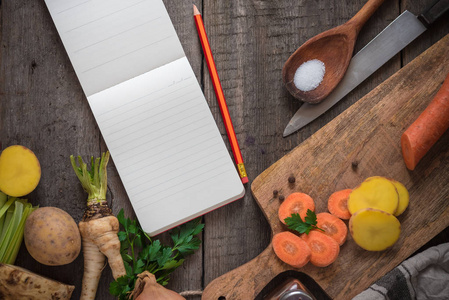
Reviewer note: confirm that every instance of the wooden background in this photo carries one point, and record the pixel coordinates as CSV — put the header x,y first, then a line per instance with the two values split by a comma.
x,y
43,107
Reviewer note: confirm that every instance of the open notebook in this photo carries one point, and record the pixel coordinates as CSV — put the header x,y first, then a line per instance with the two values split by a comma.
x,y
150,108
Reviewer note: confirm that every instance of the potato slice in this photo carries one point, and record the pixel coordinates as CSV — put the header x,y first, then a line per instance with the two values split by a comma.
x,y
375,192
373,229
403,197
20,171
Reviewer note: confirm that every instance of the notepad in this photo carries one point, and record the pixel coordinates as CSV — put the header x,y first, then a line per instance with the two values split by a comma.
x,y
149,107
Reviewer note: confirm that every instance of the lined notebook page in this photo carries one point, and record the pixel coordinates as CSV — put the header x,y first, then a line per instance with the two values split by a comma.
x,y
149,107
110,41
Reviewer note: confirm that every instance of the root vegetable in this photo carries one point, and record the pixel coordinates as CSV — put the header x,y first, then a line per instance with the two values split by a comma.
x,y
417,140
338,204
99,227
296,203
375,192
20,171
291,249
52,236
18,283
373,229
332,226
147,288
324,249
404,197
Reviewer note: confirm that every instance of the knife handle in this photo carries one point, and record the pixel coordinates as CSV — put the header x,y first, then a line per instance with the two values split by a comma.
x,y
434,12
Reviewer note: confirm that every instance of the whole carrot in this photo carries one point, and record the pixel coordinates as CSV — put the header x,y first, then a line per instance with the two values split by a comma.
x,y
417,140
99,226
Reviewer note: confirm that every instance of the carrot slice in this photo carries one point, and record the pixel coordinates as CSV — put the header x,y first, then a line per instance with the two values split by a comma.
x,y
296,203
291,249
338,204
417,140
324,249
332,226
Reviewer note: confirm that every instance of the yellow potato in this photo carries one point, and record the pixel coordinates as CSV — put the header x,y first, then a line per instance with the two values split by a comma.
x,y
52,236
403,197
20,171
375,192
373,229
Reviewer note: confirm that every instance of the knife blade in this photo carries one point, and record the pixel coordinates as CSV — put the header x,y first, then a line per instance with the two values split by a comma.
x,y
398,34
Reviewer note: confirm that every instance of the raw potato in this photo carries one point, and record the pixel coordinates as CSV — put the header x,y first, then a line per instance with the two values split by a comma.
x,y
52,236
373,229
375,192
18,283
403,197
20,171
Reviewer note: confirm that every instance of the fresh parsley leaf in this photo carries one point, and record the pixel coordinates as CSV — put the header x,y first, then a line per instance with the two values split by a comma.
x,y
141,253
296,223
310,217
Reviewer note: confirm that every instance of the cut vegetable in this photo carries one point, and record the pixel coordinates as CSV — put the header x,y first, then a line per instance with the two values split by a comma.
x,y
18,283
338,204
417,140
332,226
13,214
291,249
20,171
373,229
375,192
324,249
404,197
296,203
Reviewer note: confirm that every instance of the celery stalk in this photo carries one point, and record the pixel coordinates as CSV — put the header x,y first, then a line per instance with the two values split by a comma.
x,y
12,225
8,217
11,228
3,200
16,240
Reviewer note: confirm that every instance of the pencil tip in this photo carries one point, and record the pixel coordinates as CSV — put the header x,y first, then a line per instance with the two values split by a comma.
x,y
195,10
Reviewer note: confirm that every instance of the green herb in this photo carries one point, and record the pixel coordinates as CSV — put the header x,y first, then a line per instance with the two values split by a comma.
x,y
296,223
13,214
141,253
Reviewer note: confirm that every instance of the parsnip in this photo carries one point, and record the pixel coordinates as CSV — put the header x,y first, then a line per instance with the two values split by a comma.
x,y
18,283
99,227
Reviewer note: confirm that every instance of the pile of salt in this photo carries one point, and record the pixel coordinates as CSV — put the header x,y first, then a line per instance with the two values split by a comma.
x,y
309,75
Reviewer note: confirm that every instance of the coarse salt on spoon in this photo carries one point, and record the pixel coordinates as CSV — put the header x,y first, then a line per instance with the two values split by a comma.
x,y
321,62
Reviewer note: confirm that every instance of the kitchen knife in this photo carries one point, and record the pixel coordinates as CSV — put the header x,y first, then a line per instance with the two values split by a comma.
x,y
398,34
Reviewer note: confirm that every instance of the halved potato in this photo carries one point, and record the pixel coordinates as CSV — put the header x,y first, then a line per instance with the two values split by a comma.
x,y
20,171
373,229
375,192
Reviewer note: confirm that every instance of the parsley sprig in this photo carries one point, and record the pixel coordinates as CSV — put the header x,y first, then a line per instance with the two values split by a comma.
x,y
296,223
141,253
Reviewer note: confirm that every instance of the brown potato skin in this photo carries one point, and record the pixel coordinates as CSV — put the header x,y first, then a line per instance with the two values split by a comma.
x,y
52,236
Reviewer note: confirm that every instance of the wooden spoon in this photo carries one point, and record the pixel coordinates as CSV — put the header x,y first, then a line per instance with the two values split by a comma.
x,y
334,48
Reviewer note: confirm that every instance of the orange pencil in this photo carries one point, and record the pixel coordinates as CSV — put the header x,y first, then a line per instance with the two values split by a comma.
x,y
220,96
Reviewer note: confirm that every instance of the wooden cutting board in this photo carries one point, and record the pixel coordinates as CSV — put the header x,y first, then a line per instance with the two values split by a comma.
x,y
367,135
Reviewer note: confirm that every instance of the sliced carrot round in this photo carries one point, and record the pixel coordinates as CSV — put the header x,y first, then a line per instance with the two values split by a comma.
x,y
332,226
296,203
324,249
291,249
338,204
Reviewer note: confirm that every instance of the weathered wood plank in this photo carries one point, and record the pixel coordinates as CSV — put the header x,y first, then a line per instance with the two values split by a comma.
x,y
251,40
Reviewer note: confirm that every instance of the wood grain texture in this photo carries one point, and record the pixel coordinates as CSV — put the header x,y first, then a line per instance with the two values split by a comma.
x,y
43,107
369,134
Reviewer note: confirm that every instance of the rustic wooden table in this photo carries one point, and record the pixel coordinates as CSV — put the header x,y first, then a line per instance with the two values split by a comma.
x,y
43,107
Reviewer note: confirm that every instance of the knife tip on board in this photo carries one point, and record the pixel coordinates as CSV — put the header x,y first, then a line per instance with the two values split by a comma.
x,y
288,130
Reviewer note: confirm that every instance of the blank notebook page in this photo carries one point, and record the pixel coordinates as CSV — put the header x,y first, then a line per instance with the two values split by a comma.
x,y
149,107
